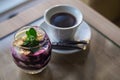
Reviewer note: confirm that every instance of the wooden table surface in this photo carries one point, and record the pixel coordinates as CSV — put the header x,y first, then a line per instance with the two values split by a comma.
x,y
92,17
101,60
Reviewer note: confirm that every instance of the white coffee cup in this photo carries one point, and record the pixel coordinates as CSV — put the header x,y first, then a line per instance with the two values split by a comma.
x,y
63,33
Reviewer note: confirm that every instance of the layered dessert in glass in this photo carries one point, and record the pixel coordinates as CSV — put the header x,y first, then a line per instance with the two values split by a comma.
x,y
31,49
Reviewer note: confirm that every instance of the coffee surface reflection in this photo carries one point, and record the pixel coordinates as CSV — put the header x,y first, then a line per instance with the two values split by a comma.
x,y
63,20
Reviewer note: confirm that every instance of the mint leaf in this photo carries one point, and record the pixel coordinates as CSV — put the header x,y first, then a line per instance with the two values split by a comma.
x,y
28,34
26,43
31,38
33,32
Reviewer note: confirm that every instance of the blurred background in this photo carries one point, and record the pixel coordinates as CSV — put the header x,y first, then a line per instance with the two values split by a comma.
x,y
10,8
108,8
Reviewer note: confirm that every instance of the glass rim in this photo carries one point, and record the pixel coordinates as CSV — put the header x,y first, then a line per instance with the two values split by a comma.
x,y
27,27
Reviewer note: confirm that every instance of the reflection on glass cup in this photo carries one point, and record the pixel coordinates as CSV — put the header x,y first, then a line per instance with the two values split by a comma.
x,y
31,54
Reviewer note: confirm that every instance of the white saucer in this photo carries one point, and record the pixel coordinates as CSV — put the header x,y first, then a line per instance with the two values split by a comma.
x,y
83,33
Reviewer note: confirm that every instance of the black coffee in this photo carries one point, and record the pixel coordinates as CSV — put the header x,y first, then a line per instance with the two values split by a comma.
x,y
63,20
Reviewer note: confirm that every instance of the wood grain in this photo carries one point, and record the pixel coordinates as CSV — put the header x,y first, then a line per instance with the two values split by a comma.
x,y
93,18
101,61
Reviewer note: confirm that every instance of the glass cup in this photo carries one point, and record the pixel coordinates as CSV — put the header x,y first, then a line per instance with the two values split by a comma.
x,y
31,60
